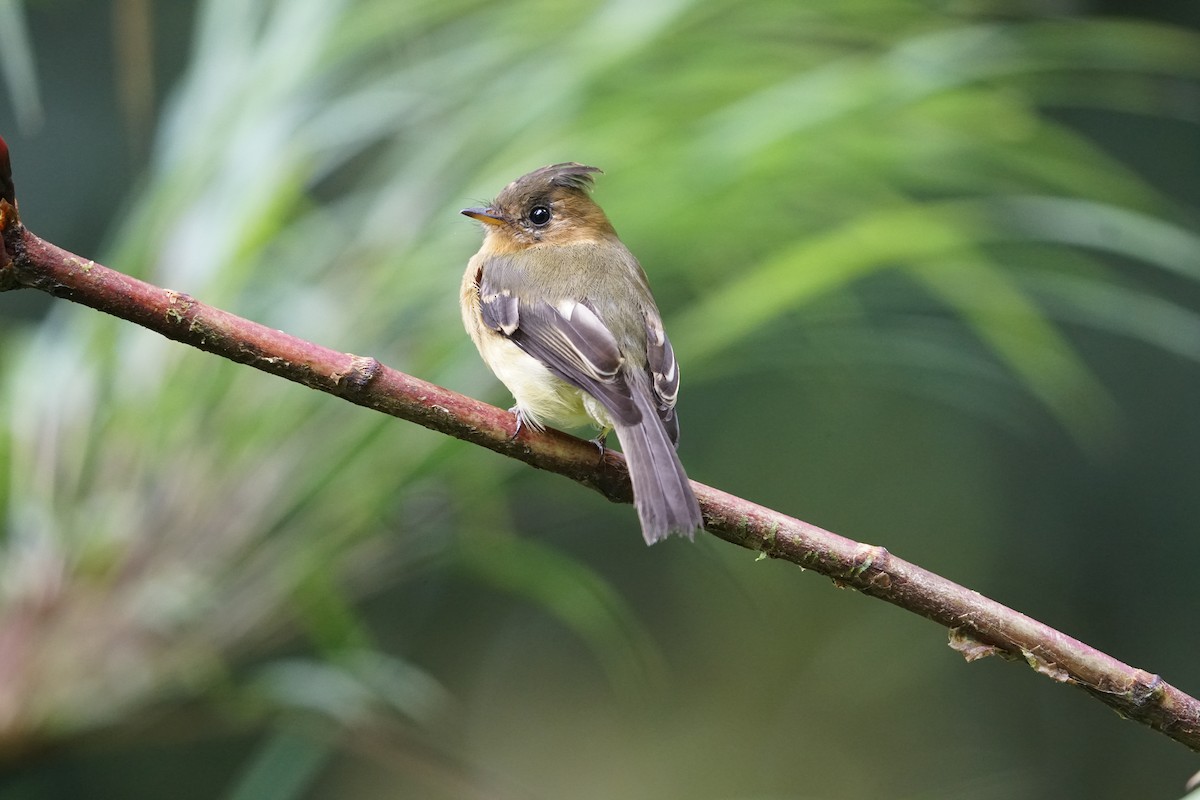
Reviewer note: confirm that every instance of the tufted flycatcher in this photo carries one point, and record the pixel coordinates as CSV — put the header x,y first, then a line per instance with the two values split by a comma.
x,y
562,313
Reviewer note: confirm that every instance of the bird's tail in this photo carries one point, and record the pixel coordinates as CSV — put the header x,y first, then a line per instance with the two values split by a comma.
x,y
662,494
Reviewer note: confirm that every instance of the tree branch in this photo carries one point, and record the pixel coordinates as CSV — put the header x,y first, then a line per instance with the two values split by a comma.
x,y
978,626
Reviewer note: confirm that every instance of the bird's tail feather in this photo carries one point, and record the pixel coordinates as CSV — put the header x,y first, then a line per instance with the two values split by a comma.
x,y
662,493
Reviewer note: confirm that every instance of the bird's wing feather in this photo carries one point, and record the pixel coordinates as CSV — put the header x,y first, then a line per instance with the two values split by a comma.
x,y
660,359
570,339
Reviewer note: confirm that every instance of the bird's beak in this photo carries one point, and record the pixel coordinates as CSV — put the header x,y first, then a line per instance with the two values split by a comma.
x,y
488,216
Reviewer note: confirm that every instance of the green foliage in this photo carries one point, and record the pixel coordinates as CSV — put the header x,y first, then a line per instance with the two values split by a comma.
x,y
169,515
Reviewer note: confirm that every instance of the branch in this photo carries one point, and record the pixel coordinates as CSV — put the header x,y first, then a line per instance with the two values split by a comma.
x,y
978,627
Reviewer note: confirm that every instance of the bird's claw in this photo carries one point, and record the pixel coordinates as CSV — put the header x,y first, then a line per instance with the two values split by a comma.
x,y
522,422
601,443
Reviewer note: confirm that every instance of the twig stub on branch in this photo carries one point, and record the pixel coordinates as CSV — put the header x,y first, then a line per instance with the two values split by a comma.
x,y
8,190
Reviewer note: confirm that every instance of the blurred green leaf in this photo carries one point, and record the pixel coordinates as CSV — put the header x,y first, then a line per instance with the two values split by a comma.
x,y
580,599
284,768
17,65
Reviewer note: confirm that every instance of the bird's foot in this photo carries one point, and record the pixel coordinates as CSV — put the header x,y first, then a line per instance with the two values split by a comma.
x,y
601,443
523,421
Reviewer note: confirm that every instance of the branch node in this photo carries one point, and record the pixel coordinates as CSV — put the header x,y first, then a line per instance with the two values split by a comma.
x,y
866,557
1045,666
179,306
1146,689
965,643
12,248
363,370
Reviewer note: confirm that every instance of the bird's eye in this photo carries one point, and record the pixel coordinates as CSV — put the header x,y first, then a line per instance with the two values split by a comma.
x,y
539,216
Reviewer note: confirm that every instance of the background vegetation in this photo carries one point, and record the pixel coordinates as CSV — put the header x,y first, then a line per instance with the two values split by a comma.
x,y
931,270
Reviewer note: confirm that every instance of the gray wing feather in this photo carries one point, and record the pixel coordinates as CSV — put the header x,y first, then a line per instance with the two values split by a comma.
x,y
499,311
660,359
571,341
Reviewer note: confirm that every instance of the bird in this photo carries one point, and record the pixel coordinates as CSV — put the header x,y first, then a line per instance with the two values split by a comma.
x,y
561,312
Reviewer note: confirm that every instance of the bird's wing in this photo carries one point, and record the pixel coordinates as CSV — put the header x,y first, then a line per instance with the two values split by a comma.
x,y
660,359
569,338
